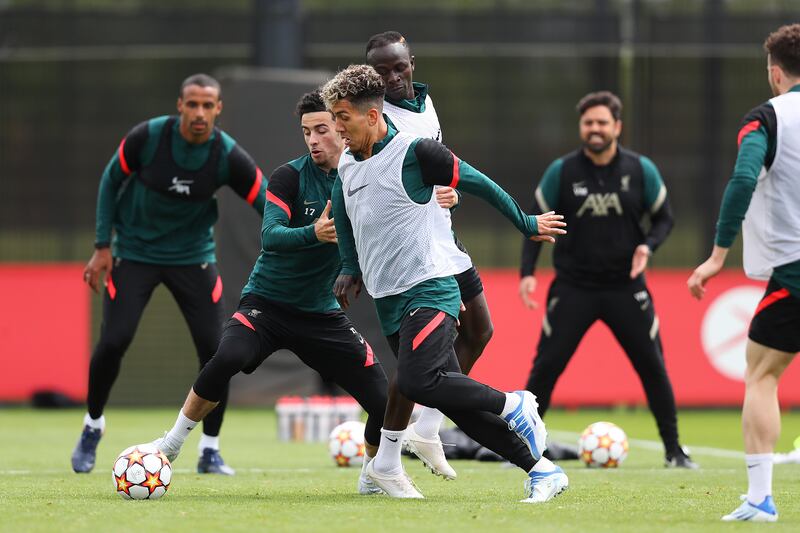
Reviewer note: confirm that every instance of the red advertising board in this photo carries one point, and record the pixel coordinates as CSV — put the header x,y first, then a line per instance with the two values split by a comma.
x,y
703,344
44,331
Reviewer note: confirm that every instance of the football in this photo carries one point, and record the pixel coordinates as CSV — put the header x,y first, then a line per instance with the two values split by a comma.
x,y
603,445
142,472
346,443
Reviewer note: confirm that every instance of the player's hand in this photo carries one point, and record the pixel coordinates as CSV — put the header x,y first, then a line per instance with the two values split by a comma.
x,y
342,286
446,197
710,268
97,268
527,285
548,226
640,258
324,228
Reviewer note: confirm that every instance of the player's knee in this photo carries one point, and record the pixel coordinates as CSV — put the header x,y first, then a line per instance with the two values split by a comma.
x,y
418,389
112,346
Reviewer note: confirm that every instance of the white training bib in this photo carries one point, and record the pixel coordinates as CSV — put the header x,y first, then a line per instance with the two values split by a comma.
x,y
400,243
771,228
425,125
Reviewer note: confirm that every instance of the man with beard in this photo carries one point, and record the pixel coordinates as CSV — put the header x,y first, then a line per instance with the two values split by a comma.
x,y
604,191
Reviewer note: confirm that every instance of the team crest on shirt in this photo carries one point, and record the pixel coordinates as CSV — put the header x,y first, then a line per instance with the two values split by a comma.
x,y
625,183
254,313
579,188
180,186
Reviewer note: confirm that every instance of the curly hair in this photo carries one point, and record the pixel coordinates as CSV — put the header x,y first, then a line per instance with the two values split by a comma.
x,y
358,84
606,98
783,47
310,103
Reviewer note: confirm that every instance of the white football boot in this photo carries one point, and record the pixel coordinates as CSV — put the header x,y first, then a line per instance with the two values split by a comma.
x,y
396,486
170,451
544,486
748,512
365,484
429,451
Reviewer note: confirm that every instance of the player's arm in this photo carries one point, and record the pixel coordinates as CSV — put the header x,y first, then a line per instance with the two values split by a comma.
x,y
246,179
545,200
276,235
661,220
123,163
437,165
756,149
350,274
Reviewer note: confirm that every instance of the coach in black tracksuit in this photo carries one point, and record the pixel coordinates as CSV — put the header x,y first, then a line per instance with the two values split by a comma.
x,y
604,192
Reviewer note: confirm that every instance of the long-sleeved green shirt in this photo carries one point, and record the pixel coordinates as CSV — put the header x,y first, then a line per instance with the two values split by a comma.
x,y
757,143
427,163
294,268
156,194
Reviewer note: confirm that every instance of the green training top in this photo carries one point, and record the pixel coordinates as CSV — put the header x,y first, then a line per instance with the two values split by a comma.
x,y
757,142
427,163
294,268
157,193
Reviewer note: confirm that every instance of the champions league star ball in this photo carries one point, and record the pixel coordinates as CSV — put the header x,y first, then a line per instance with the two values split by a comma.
x,y
142,472
603,444
346,443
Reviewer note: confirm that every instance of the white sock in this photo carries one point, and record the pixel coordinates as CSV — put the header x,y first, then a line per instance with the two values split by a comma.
x,y
428,423
177,435
95,423
207,441
387,460
512,401
543,465
759,476
367,459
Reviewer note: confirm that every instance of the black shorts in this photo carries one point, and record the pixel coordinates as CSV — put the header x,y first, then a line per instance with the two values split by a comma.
x,y
327,342
469,283
776,322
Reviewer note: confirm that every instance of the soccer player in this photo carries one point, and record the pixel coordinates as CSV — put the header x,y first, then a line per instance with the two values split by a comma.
x,y
288,301
765,186
604,192
391,228
410,108
157,196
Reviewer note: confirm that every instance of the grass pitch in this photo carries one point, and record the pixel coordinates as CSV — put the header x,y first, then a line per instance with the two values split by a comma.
x,y
296,487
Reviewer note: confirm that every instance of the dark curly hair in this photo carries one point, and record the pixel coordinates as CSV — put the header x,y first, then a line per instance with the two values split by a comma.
x,y
606,98
310,103
783,47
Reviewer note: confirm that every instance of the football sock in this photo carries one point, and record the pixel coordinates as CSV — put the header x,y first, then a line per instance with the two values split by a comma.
x,y
759,476
95,423
428,423
543,465
177,435
367,459
207,441
512,401
387,460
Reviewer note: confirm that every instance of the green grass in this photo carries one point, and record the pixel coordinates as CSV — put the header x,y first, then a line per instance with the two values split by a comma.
x,y
295,487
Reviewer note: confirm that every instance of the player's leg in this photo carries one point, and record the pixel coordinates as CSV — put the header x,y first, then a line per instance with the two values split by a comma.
x,y
427,359
128,289
774,339
330,344
630,314
198,291
386,469
569,313
250,336
474,332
